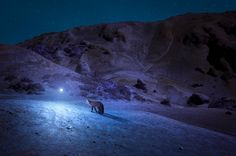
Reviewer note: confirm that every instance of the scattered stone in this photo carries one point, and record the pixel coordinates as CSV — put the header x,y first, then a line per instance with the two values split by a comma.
x,y
181,148
69,127
94,142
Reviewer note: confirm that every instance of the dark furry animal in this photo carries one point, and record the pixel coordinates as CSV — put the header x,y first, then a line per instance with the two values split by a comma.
x,y
96,105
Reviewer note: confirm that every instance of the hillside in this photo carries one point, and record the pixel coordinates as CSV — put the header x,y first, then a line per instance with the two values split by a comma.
x,y
166,60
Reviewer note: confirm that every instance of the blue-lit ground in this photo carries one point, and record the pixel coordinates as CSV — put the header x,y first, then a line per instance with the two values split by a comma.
x,y
46,127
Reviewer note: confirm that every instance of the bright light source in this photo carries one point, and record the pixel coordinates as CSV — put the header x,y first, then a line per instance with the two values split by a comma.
x,y
61,90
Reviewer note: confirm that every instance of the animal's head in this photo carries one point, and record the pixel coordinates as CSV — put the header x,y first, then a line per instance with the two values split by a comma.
x,y
88,101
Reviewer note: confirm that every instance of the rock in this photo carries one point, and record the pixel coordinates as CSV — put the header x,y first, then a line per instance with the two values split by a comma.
x,y
69,127
195,99
181,148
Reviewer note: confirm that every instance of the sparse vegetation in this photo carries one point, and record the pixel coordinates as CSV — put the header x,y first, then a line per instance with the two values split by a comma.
x,y
165,102
10,78
195,99
223,102
139,98
212,72
106,53
192,39
25,79
199,70
227,76
110,89
110,34
140,85
26,85
196,85
228,113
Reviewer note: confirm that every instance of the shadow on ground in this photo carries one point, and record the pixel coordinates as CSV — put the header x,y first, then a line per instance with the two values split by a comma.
x,y
113,117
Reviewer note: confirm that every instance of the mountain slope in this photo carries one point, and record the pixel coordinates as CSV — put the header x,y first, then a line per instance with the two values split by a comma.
x,y
25,71
171,59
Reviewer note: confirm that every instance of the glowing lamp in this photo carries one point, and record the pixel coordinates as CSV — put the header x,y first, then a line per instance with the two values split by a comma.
x,y
61,90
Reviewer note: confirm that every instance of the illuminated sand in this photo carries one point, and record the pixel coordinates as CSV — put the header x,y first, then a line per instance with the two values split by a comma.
x,y
37,127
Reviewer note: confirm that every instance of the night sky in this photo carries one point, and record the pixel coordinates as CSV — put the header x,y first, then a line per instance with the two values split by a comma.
x,y
23,19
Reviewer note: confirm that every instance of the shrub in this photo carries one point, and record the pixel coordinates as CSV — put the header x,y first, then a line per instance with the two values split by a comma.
x,y
30,88
165,102
10,78
223,103
195,99
35,88
140,85
25,79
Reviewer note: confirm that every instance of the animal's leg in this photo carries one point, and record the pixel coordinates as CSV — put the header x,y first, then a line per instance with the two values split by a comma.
x,y
99,110
91,108
95,109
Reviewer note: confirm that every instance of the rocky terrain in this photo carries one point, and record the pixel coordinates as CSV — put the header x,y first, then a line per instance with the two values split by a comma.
x,y
185,60
26,72
161,84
